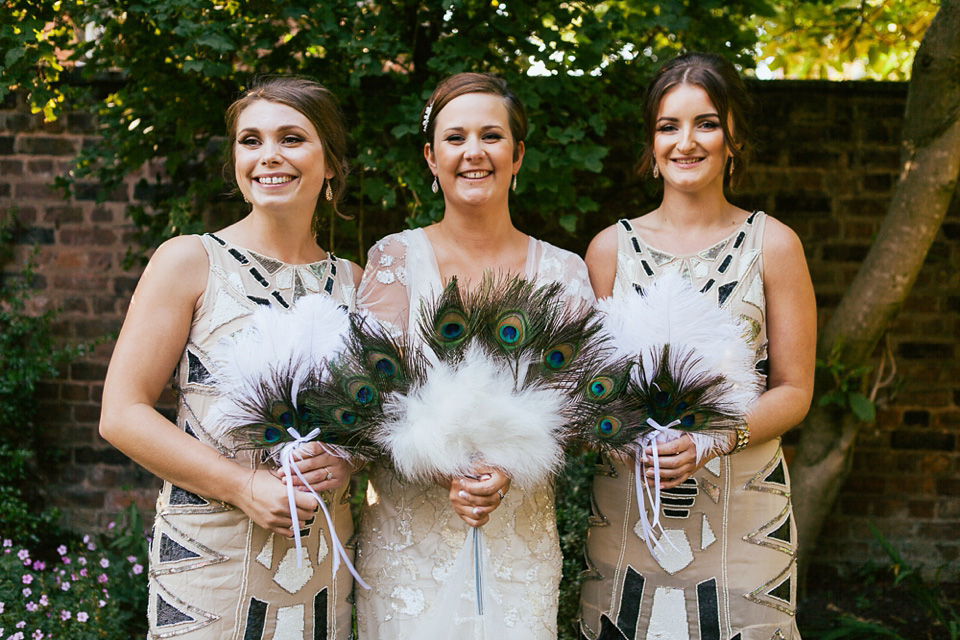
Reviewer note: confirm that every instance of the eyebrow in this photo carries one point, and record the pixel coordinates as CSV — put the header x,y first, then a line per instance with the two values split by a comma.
x,y
702,116
281,129
485,127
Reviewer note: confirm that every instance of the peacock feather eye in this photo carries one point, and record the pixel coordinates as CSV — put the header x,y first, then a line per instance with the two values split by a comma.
x,y
559,356
511,329
688,420
384,364
682,406
661,399
272,435
600,388
451,327
608,426
284,415
345,417
304,414
362,391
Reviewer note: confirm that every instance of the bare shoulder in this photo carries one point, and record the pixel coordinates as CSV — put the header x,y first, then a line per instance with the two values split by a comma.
x,y
604,243
179,264
601,261
778,239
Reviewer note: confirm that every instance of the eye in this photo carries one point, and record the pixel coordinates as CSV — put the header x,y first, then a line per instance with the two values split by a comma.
x,y
710,125
666,128
492,137
600,388
248,141
291,139
454,137
559,356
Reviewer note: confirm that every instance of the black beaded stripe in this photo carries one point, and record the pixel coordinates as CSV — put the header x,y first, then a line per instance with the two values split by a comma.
x,y
636,245
167,614
626,224
256,620
740,237
646,267
261,301
259,278
320,615
242,259
630,603
279,298
707,286
709,610
726,263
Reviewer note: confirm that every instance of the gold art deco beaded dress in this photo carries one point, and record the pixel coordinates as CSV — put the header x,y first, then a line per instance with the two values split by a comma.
x,y
730,572
213,572
409,535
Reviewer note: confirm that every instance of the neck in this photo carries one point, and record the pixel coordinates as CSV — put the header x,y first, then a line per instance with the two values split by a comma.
x,y
477,231
696,209
287,237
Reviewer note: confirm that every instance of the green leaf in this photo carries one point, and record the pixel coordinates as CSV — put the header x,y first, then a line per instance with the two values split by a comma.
x,y
862,407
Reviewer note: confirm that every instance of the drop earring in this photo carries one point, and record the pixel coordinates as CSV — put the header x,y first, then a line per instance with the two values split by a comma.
x,y
656,171
514,182
329,192
731,166
435,186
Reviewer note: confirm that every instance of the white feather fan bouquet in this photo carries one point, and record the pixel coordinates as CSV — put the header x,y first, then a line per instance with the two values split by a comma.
x,y
502,368
279,389
683,367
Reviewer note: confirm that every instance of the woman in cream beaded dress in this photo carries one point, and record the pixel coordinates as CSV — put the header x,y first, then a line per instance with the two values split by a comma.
x,y
728,571
223,563
409,533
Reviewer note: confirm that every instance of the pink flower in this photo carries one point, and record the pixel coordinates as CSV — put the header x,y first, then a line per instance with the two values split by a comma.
x,y
32,606
27,578
82,616
137,569
7,542
111,525
2,605
23,554
86,539
66,560
38,635
62,550
131,559
43,600
65,586
64,614
27,591
104,563
83,572
102,578
101,604
21,624
39,566
82,561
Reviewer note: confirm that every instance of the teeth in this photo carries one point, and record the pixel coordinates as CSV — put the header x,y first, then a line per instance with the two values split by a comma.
x,y
475,174
695,160
274,179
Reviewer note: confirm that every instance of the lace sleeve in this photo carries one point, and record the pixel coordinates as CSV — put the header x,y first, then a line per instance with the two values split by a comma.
x,y
383,290
560,265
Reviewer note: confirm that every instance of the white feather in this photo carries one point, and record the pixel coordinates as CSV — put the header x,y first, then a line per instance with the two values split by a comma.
x,y
470,413
295,343
672,311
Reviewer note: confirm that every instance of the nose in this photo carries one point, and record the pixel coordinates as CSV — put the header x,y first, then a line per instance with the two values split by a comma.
x,y
687,141
269,153
472,149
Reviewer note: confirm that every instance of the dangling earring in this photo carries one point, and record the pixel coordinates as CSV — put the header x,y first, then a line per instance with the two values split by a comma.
x,y
656,171
245,200
435,186
329,192
514,182
731,166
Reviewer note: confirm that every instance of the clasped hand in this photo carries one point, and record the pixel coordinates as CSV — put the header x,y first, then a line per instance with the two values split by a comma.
x,y
475,497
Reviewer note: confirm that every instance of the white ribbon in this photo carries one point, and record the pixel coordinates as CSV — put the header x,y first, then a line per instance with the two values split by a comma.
x,y
286,462
650,439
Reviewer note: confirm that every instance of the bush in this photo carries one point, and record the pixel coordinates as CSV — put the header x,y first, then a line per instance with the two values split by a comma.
x,y
86,590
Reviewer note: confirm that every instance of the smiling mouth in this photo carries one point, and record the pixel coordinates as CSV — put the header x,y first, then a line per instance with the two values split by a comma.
x,y
687,161
273,179
475,174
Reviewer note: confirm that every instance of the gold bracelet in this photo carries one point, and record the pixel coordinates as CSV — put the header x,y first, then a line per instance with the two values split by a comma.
x,y
743,438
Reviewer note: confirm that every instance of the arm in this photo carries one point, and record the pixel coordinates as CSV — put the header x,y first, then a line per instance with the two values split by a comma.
x,y
601,262
151,342
791,311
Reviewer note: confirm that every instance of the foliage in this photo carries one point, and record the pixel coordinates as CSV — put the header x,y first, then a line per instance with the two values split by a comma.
x,y
178,63
834,39
573,514
22,516
847,386
85,591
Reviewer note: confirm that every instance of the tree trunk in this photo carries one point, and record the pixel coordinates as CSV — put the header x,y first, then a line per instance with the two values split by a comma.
x,y
931,162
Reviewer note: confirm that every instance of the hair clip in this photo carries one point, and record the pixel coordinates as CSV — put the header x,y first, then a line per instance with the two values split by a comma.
x,y
426,116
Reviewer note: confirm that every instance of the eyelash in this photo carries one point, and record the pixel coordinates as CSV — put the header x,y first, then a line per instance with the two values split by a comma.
x,y
456,137
288,139
706,123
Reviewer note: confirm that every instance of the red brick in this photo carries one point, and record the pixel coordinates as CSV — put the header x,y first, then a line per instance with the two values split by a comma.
x,y
74,392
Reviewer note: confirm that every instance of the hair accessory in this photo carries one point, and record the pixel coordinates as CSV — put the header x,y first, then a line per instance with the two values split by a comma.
x,y
426,116
435,186
329,192
514,182
656,171
731,166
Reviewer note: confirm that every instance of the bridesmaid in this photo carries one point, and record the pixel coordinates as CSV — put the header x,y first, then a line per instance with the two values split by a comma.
x,y
222,563
409,535
731,570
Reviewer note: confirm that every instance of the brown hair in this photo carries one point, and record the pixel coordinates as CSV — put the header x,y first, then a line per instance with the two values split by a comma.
x,y
320,107
464,83
719,79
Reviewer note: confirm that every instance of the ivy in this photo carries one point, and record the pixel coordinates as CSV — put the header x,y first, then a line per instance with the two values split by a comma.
x,y
847,391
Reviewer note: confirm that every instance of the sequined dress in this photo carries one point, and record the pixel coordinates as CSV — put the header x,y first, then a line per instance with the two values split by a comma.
x,y
730,573
213,572
409,534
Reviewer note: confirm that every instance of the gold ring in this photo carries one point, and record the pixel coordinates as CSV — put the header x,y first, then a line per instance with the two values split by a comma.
x,y
329,474
501,494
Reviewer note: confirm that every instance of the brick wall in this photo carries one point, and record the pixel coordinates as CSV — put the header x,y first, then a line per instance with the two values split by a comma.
x,y
827,165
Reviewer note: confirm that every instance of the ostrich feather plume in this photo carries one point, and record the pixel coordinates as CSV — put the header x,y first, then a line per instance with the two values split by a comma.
x,y
471,412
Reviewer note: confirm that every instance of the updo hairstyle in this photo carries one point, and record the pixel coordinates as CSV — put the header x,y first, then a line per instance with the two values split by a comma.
x,y
719,79
464,83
